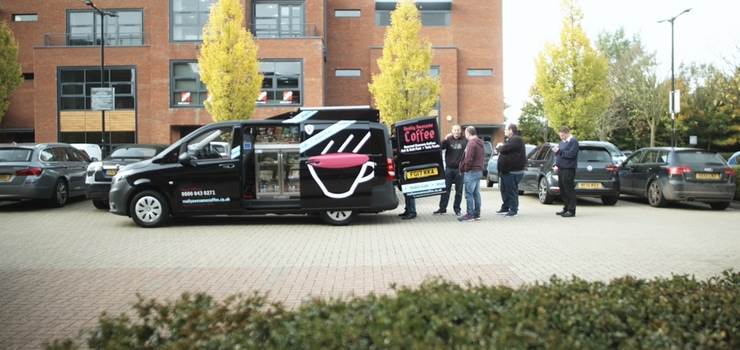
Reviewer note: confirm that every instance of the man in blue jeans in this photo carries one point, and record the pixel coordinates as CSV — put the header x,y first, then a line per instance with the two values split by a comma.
x,y
472,169
454,148
511,162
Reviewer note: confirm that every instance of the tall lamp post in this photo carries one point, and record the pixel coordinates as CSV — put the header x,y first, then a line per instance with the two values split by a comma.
x,y
102,62
673,78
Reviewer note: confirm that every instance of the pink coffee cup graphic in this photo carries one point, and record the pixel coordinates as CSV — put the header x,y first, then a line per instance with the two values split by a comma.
x,y
341,161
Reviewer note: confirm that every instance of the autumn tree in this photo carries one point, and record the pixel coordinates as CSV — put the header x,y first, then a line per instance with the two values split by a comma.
x,y
532,124
572,78
228,63
10,69
404,89
637,94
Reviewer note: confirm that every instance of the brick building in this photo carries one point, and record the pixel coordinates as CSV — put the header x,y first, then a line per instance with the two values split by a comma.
x,y
312,52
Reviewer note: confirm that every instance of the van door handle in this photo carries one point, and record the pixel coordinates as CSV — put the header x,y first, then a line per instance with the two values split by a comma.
x,y
227,165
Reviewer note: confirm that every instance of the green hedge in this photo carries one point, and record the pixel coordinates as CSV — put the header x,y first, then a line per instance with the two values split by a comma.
x,y
676,313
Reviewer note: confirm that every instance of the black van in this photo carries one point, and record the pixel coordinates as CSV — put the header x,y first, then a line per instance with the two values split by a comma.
x,y
335,162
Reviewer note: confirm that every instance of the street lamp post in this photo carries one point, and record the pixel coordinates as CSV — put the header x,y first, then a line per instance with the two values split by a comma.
x,y
102,15
673,78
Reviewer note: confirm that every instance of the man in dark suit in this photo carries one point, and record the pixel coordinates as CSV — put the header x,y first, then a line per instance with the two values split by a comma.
x,y
566,160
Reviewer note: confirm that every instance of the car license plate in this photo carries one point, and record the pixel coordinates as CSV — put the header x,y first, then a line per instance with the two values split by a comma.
x,y
421,173
707,176
590,185
111,172
5,177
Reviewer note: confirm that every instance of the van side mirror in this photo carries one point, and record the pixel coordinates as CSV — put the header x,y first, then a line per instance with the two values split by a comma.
x,y
94,159
186,158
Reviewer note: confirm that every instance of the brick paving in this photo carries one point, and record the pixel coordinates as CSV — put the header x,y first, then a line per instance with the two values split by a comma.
x,y
59,268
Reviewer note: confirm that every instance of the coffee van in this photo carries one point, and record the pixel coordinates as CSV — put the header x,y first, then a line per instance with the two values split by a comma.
x,y
335,162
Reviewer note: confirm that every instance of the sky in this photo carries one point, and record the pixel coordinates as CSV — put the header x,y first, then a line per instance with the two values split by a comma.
x,y
709,33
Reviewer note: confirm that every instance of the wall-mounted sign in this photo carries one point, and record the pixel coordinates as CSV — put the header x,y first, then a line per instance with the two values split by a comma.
x,y
103,99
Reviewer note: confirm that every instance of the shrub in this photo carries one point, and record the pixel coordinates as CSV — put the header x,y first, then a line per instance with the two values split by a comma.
x,y
677,312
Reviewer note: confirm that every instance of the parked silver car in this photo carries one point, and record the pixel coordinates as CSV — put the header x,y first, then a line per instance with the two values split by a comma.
x,y
492,166
53,172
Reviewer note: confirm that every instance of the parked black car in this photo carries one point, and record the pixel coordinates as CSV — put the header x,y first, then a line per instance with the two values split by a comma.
x,y
666,174
596,175
49,171
99,174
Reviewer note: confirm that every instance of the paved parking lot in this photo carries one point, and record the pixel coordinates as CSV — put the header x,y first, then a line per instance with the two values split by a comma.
x,y
59,268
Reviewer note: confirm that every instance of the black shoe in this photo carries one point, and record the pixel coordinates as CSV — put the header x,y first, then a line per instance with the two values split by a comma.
x,y
408,216
502,211
568,214
561,212
458,212
439,211
403,214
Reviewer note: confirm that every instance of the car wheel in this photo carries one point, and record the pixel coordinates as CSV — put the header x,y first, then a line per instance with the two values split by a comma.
x,y
609,200
719,205
489,183
543,192
100,204
60,195
337,217
655,194
149,209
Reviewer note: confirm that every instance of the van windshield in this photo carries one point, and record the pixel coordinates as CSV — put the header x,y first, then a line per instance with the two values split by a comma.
x,y
133,152
15,155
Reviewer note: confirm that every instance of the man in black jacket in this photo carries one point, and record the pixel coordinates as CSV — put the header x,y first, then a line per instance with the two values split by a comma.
x,y
454,147
566,160
511,161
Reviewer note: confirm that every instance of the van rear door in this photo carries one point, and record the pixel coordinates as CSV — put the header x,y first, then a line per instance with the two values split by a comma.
x,y
340,163
419,157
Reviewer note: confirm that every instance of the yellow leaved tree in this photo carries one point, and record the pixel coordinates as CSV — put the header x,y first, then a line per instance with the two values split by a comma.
x,y
228,63
404,89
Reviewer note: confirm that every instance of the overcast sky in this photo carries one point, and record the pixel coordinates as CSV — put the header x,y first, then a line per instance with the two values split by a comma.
x,y
709,33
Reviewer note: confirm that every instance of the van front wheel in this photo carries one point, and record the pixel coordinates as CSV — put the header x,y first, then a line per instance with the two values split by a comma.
x,y
149,209
337,217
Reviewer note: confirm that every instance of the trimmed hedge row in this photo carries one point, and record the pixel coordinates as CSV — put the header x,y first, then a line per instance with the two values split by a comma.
x,y
677,312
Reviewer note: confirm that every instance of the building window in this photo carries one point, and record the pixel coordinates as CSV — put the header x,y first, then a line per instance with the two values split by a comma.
x,y
126,29
429,18
26,17
75,85
282,84
347,13
78,123
478,72
278,19
28,76
187,90
187,19
349,73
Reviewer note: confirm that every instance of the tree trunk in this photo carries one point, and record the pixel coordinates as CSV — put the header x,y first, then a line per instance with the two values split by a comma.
x,y
652,135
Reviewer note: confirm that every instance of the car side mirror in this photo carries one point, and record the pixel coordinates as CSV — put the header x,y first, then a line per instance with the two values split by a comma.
x,y
186,158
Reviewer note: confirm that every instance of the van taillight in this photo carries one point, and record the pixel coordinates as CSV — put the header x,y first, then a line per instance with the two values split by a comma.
x,y
612,168
678,170
730,172
29,172
391,169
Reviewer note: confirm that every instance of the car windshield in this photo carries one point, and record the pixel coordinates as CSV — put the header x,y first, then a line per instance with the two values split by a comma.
x,y
698,157
593,155
15,154
133,152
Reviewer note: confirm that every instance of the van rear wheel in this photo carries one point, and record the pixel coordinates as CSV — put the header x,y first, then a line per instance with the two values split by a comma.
x,y
337,217
719,205
149,209
100,204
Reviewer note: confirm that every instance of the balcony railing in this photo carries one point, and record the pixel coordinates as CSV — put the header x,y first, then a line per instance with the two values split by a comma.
x,y
284,30
83,40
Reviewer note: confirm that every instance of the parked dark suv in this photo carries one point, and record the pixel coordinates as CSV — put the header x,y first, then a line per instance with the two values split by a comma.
x,y
678,174
596,175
